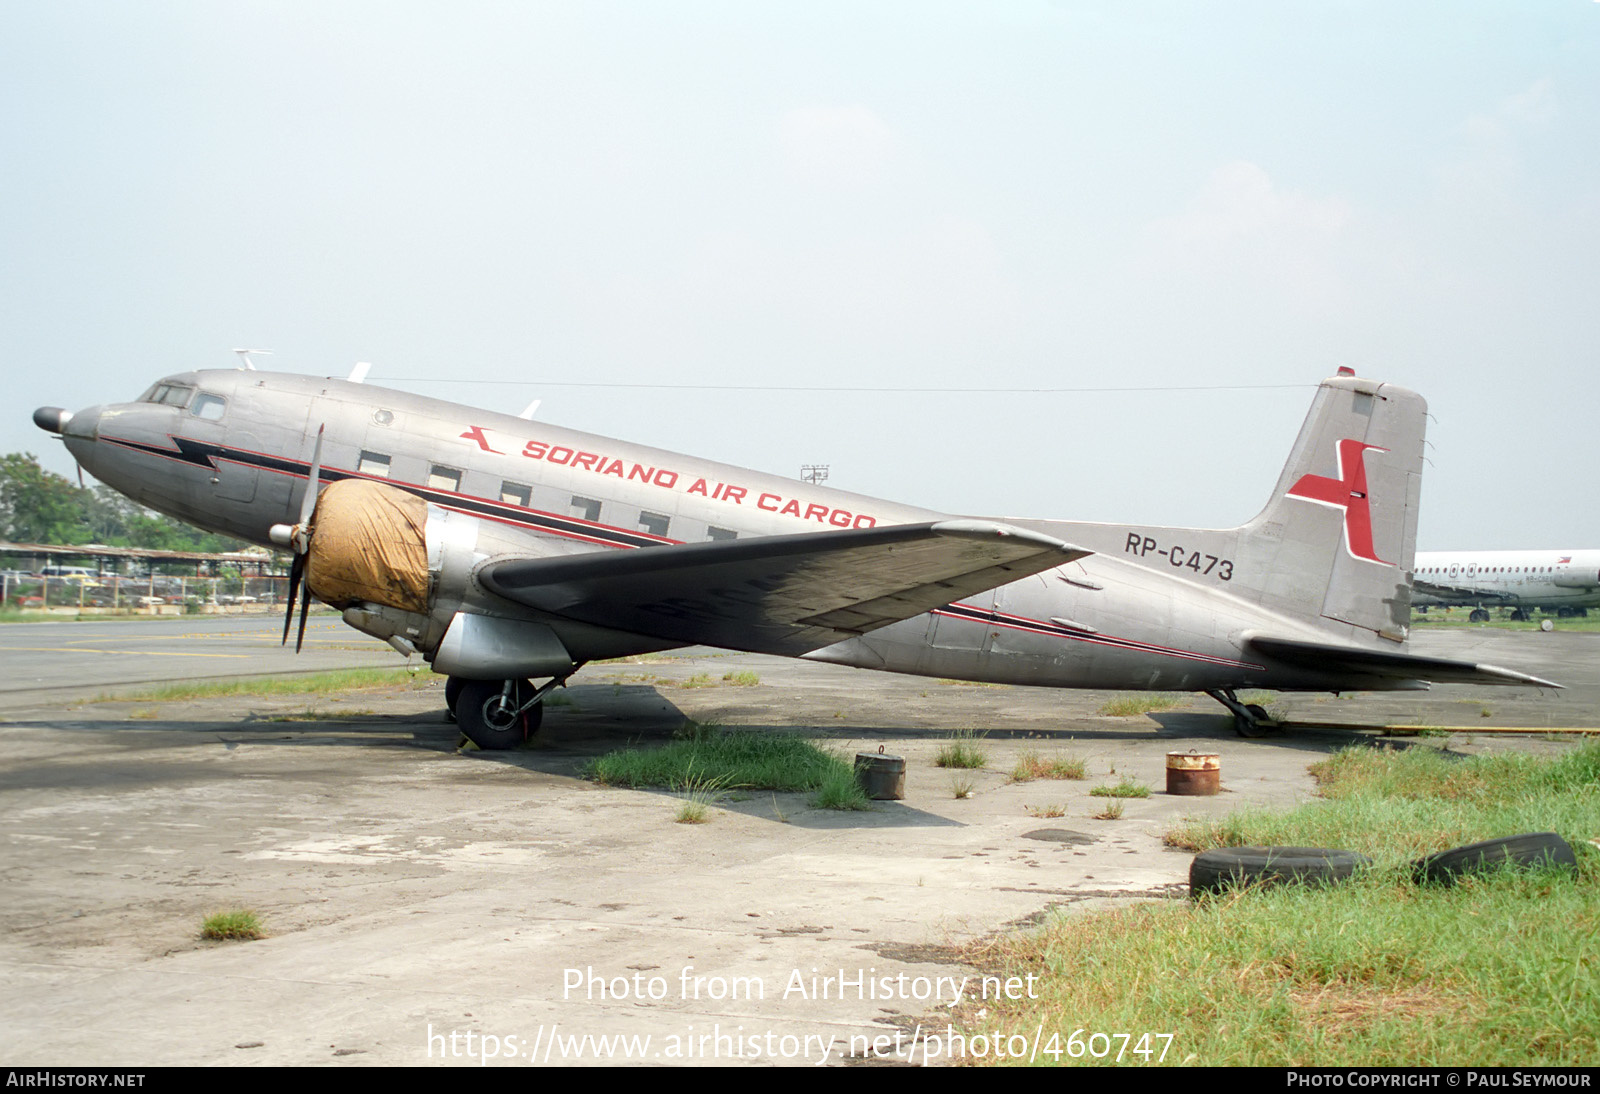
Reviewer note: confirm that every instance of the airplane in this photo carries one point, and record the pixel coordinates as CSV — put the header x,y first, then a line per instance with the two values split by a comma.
x,y
504,550
1566,582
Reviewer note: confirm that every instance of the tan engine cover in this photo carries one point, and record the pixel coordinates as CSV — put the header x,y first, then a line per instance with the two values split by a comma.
x,y
368,544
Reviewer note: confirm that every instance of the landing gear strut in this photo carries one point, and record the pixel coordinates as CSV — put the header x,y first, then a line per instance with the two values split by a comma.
x,y
1250,720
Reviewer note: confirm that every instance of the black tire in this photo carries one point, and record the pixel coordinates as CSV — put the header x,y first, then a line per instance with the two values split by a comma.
x,y
1533,849
482,715
1237,867
452,693
1478,616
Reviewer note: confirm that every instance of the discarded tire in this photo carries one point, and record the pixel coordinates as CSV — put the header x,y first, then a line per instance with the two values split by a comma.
x,y
1238,867
1532,849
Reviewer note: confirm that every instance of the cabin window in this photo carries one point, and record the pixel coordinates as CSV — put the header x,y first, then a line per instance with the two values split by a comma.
x,y
374,463
444,478
716,535
209,407
587,508
514,493
654,523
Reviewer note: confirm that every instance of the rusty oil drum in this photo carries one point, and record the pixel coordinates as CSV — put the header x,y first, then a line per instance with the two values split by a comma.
x,y
882,777
1194,774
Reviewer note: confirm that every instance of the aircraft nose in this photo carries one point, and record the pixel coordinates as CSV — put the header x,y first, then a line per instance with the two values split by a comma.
x,y
52,419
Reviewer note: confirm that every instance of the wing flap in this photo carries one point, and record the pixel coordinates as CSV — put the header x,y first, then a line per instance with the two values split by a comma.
x,y
779,594
1383,664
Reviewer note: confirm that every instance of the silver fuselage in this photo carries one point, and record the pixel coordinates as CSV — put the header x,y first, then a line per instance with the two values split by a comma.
x,y
1152,608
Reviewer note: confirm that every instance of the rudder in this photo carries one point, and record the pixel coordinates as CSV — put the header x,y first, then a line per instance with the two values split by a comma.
x,y
1336,542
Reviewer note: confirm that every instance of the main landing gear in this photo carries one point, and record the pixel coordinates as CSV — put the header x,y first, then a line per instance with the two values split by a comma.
x,y
1250,720
497,714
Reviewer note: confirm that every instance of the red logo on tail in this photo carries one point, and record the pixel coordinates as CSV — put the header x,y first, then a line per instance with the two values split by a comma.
x,y
1348,492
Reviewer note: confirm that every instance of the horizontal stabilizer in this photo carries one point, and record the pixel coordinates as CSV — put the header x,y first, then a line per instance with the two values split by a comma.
x,y
1349,661
779,594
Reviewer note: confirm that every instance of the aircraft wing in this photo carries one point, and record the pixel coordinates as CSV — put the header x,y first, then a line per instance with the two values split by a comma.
x,y
779,594
1457,592
1350,661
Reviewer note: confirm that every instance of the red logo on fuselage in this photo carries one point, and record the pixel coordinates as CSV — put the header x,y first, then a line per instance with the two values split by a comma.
x,y
1348,492
475,433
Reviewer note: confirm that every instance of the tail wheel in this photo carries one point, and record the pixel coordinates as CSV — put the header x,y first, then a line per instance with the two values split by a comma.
x,y
488,713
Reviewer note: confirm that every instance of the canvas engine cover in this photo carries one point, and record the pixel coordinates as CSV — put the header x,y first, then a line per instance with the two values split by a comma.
x,y
368,544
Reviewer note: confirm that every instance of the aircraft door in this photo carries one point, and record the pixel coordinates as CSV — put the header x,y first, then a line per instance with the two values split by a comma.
x,y
216,419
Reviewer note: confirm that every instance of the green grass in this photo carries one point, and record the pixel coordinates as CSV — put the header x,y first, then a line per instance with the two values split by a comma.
x,y
1396,806
841,791
306,683
1031,765
1141,702
1457,617
235,925
741,679
962,751
309,715
732,760
1497,970
1127,788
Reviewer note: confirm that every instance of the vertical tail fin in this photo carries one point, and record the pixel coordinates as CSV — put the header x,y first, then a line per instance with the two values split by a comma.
x,y
1337,539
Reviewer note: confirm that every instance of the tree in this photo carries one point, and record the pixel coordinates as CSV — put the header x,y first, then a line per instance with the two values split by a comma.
x,y
39,506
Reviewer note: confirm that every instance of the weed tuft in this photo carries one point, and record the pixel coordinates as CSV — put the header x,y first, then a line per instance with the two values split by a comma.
x,y
1031,765
238,925
962,751
1144,702
839,790
1127,788
706,756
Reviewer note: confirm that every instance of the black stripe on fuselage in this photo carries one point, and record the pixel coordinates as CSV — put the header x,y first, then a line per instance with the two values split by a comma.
x,y
990,618
204,454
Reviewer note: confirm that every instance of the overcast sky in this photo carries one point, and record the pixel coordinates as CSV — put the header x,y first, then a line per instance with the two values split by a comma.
x,y
1215,204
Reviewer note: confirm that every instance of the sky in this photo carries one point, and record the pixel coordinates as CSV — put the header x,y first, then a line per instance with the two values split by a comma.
x,y
1061,259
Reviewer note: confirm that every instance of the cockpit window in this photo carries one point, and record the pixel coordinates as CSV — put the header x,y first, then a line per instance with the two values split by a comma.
x,y
209,407
170,395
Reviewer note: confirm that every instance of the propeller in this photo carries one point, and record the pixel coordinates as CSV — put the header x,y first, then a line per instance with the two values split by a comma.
x,y
298,538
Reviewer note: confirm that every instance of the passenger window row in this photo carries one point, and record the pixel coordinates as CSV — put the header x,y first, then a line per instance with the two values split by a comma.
x,y
520,494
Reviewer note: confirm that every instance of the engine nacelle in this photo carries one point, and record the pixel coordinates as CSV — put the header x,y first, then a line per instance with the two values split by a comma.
x,y
400,569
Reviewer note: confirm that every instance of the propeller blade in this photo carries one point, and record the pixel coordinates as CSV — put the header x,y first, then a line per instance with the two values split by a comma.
x,y
309,502
305,609
296,571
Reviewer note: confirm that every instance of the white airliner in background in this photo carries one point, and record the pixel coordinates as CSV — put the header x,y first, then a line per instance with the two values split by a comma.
x,y
1566,582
